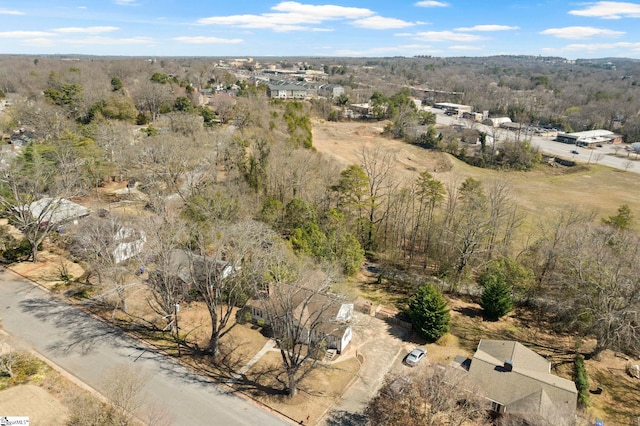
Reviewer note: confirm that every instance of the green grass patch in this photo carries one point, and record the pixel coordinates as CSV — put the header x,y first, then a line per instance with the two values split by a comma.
x,y
18,368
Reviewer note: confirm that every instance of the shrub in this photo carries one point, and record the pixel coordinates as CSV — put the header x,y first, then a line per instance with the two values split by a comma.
x,y
20,367
581,378
429,313
17,251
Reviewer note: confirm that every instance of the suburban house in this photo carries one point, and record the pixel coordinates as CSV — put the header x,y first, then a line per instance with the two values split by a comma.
x,y
56,211
189,267
589,137
128,243
321,317
286,91
330,90
517,380
22,137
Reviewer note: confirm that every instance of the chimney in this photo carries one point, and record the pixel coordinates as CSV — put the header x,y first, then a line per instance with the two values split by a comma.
x,y
508,365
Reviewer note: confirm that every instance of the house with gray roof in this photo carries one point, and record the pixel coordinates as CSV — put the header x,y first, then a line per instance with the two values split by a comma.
x,y
56,211
518,381
320,317
286,91
330,90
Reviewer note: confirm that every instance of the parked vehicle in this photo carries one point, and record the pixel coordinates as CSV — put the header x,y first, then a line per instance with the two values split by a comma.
x,y
415,356
574,152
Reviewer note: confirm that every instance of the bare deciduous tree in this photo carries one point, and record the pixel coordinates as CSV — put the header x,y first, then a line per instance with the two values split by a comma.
x,y
301,314
112,247
150,96
35,215
378,165
228,268
433,396
597,271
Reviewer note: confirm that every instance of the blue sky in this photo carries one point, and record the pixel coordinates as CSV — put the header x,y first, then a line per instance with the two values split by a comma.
x,y
571,29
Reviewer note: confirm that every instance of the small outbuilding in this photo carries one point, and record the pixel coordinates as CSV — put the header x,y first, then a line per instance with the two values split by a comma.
x,y
496,121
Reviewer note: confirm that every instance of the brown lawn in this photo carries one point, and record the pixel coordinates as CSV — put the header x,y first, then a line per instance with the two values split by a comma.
x,y
34,402
318,391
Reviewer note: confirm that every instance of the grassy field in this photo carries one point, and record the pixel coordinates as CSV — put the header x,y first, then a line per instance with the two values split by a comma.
x,y
540,193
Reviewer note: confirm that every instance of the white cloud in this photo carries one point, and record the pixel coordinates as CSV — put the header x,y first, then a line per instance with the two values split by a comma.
x,y
126,2
447,36
86,30
10,12
431,3
290,16
464,47
24,34
488,28
595,46
327,11
609,10
208,40
381,23
577,33
107,41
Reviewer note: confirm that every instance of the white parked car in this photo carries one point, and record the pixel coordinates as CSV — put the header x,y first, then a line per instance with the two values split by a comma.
x,y
415,356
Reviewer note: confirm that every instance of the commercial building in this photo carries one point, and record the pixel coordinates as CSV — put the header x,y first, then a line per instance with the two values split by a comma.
x,y
589,137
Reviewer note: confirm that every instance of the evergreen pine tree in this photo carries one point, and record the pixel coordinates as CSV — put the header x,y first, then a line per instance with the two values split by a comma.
x,y
429,313
496,300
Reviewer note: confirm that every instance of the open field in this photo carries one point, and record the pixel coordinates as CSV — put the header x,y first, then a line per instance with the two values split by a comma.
x,y
540,193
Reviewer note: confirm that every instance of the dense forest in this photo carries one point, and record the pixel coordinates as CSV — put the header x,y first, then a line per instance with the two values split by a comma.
x,y
238,180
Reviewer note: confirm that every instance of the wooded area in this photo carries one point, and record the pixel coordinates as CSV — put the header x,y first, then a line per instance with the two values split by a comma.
x,y
235,188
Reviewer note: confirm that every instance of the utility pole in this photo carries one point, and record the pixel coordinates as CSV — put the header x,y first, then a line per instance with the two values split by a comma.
x,y
176,309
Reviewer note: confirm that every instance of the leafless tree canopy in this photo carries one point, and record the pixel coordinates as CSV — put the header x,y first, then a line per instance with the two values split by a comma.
x,y
435,395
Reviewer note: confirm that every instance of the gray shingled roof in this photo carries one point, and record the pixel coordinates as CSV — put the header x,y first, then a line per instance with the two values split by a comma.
x,y
530,386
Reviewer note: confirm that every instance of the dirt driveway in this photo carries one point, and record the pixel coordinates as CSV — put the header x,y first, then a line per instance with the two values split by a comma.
x,y
381,346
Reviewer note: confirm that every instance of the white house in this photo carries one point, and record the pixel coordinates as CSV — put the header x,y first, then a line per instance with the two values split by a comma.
x,y
330,90
128,243
322,317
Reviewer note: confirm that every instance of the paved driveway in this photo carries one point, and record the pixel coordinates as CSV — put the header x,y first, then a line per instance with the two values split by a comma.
x,y
382,346
86,348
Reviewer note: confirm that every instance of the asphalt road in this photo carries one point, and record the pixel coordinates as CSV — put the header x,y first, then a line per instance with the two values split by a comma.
x,y
87,348
549,146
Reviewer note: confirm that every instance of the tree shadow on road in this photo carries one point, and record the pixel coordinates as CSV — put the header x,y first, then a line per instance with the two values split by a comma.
x,y
81,331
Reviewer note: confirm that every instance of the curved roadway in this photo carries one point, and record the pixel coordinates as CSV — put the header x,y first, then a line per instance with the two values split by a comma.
x,y
602,155
86,347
